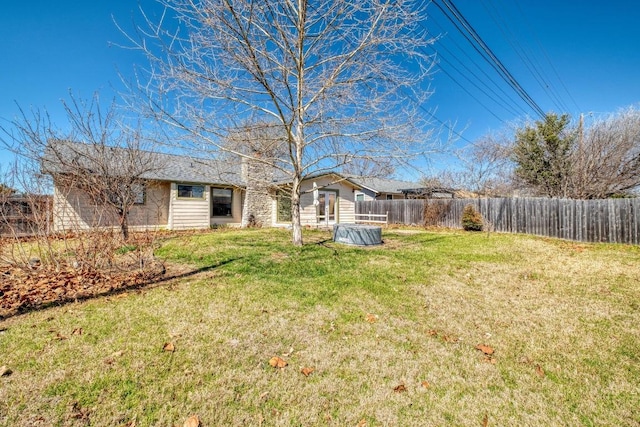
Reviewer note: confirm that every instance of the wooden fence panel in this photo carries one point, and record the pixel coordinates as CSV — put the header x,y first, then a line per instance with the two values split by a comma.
x,y
610,220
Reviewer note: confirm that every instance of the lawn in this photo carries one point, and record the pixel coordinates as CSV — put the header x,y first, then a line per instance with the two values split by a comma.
x,y
429,329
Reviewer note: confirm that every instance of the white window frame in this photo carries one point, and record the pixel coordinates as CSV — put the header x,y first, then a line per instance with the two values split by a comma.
x,y
190,197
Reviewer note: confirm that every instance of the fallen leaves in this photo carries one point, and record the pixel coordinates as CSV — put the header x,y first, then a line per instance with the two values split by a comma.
x,y
24,289
5,372
400,388
192,421
371,318
277,362
307,371
78,412
485,349
538,368
59,337
168,346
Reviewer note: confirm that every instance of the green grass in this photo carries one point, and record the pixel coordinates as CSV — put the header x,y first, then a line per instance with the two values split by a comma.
x,y
563,318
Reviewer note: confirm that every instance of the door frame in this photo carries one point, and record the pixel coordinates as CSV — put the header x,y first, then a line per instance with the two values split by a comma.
x,y
326,221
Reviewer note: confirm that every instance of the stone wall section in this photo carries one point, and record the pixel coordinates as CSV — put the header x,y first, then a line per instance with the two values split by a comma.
x,y
259,196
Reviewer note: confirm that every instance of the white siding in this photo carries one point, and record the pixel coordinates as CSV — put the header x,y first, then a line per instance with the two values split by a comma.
x,y
155,210
74,211
345,202
189,213
274,211
368,195
71,210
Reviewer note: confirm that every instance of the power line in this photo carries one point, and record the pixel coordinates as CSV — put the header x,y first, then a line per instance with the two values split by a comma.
x,y
530,59
527,59
407,94
452,13
546,55
501,101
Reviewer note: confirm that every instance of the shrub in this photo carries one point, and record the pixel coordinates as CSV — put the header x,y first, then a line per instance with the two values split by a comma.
x,y
435,211
471,219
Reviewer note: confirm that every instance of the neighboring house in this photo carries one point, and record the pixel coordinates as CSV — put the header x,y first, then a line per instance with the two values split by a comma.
x,y
429,193
24,214
380,188
189,193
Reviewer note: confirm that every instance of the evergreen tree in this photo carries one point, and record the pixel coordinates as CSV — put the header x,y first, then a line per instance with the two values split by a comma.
x,y
542,154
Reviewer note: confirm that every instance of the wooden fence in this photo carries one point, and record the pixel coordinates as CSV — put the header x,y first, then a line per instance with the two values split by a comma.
x,y
610,220
25,215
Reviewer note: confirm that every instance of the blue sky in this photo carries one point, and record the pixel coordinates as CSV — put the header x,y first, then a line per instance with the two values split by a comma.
x,y
588,53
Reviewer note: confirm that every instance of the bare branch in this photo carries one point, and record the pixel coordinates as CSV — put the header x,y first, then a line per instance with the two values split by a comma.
x,y
337,81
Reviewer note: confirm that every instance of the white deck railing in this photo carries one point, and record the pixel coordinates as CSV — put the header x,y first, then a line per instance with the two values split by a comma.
x,y
372,218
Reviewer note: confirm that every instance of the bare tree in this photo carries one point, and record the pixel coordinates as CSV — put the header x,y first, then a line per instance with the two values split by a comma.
x,y
442,179
599,160
25,214
97,155
606,159
486,167
6,193
340,79
370,167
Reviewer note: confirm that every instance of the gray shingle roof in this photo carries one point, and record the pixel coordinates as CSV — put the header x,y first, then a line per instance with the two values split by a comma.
x,y
196,170
180,168
164,167
383,185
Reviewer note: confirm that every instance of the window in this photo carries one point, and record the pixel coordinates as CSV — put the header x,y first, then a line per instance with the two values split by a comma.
x,y
191,191
389,196
139,194
360,197
25,208
221,199
284,207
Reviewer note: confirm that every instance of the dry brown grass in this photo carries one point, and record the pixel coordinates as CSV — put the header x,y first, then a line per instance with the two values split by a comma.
x,y
390,332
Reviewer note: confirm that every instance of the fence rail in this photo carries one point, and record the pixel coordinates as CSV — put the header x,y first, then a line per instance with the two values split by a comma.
x,y
610,220
372,218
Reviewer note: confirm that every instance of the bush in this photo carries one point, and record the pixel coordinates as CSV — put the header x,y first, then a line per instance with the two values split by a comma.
x,y
435,211
471,219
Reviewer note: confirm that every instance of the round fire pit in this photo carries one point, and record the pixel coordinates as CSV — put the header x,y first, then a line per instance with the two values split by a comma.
x,y
357,234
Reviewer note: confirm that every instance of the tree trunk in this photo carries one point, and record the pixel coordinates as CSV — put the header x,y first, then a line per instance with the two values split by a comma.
x,y
296,225
124,226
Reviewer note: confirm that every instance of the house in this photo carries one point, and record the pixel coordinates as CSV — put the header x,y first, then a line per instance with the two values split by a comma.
x,y
192,193
429,193
381,188
24,214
